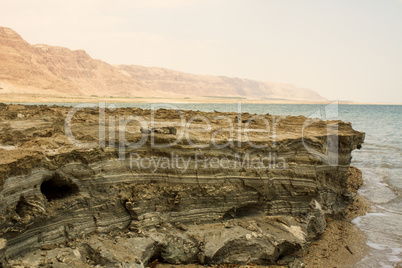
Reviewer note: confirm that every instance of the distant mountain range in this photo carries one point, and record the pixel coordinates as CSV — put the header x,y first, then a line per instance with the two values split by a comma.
x,y
43,69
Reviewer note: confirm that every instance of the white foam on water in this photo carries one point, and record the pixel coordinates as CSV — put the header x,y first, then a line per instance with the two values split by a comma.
x,y
374,214
392,209
383,265
383,237
397,251
358,221
376,246
374,189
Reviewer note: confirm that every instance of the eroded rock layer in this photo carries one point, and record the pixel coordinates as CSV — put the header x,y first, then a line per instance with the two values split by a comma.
x,y
123,187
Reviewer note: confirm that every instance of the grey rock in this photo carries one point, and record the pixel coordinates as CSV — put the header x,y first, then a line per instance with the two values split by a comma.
x,y
56,198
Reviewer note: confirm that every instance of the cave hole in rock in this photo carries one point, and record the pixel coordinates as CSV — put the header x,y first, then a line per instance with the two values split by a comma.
x,y
22,207
58,187
156,257
241,212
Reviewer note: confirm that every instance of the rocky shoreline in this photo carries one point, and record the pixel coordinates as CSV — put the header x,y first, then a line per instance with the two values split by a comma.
x,y
126,187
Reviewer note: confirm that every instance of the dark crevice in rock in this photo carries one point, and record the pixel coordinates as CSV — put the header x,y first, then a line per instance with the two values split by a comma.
x,y
22,207
95,258
156,258
58,188
242,212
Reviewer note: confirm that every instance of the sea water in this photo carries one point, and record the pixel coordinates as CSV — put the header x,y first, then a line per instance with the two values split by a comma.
x,y
380,160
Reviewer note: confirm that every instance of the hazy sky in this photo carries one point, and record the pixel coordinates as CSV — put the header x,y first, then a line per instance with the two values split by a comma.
x,y
343,49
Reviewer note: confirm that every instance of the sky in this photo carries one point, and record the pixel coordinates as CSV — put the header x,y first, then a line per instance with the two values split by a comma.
x,y
342,49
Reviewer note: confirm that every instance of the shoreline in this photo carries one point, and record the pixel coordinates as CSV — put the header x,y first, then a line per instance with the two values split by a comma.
x,y
32,98
342,244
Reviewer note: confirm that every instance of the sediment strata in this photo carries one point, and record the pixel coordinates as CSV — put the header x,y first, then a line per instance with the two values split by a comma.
x,y
123,187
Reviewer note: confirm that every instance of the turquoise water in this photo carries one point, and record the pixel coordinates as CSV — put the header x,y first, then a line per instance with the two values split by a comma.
x,y
380,160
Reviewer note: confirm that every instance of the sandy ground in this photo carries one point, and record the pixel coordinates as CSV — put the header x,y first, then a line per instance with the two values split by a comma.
x,y
32,98
342,245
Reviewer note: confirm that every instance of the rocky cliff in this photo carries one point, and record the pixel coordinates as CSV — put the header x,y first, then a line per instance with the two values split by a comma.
x,y
43,69
215,86
124,187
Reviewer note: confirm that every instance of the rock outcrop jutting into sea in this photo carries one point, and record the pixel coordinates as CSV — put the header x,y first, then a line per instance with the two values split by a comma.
x,y
98,186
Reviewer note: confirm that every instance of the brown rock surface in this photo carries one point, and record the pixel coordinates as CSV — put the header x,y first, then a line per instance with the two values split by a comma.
x,y
205,193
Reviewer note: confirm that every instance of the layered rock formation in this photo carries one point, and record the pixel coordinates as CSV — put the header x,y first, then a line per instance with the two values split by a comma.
x,y
49,70
111,188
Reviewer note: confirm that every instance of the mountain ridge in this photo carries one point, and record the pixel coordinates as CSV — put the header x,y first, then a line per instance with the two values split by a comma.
x,y
44,69
210,85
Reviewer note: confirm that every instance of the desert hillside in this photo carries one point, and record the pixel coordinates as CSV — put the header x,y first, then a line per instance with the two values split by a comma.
x,y
46,69
215,86
43,69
